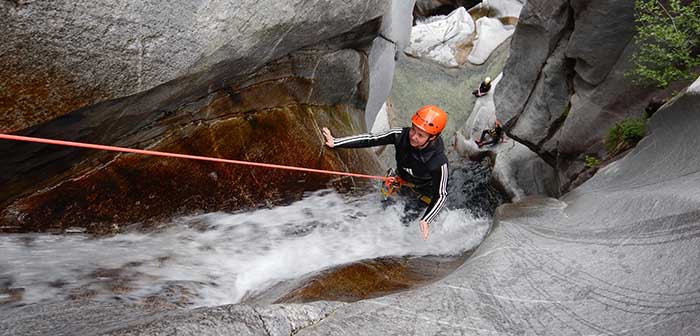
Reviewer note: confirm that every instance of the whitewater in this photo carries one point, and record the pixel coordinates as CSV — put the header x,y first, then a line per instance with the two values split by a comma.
x,y
220,258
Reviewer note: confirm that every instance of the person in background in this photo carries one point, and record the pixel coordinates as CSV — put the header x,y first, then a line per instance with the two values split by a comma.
x,y
495,133
484,88
420,158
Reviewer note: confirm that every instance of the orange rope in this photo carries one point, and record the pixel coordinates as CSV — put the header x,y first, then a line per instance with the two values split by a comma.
x,y
181,156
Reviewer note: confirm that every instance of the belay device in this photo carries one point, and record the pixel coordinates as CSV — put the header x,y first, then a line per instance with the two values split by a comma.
x,y
392,184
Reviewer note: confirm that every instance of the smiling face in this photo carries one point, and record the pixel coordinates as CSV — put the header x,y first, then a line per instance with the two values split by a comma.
x,y
418,138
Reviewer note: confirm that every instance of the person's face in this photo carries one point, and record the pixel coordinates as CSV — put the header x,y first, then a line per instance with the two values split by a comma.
x,y
418,138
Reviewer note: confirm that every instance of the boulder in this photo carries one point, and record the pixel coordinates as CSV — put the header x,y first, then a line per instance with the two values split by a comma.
x,y
59,57
566,85
437,39
542,24
490,34
602,32
382,63
454,39
549,103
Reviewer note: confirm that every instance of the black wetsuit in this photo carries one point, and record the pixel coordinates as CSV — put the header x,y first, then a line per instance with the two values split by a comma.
x,y
483,89
425,168
495,133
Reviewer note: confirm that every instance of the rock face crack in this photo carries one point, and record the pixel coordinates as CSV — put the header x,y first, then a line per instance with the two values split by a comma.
x,y
262,320
314,322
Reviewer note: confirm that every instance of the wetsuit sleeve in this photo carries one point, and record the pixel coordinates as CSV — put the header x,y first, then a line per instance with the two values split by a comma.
x,y
389,137
439,194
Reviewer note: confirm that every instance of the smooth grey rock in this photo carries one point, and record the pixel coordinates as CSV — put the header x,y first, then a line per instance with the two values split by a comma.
x,y
394,35
382,62
603,30
397,22
522,173
616,256
540,27
80,317
61,56
548,102
118,318
277,320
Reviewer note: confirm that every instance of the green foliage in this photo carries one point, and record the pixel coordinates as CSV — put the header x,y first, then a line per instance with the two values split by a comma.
x,y
592,161
668,37
624,135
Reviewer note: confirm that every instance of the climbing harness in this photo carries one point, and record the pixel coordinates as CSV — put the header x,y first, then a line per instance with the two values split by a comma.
x,y
392,184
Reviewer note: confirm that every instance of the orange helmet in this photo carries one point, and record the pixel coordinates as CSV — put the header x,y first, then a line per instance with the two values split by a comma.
x,y
430,119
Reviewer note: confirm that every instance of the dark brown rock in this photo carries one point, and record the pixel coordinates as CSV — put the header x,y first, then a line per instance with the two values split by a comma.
x,y
373,278
273,117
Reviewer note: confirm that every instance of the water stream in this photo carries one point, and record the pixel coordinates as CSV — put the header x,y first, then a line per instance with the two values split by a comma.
x,y
219,258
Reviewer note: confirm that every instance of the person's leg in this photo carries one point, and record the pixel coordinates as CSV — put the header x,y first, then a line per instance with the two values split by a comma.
x,y
387,202
483,135
411,211
480,142
490,142
413,206
495,140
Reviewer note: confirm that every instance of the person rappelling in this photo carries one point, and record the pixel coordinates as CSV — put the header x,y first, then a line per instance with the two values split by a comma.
x,y
421,162
495,134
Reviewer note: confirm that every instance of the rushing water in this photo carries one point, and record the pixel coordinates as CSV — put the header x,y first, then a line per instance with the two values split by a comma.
x,y
219,258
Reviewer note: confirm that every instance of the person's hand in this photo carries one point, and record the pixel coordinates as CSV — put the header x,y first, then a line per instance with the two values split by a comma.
x,y
329,137
424,227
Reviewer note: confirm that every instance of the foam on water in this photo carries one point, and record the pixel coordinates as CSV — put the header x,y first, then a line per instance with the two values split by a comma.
x,y
222,257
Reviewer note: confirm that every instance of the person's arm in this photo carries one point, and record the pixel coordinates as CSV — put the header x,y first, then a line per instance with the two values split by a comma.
x,y
362,140
437,199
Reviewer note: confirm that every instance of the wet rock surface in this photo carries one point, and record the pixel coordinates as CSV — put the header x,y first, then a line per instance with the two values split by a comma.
x,y
373,278
272,118
469,188
114,290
